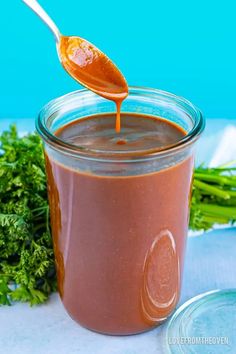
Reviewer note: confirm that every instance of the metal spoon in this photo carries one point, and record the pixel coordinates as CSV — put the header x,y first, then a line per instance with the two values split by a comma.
x,y
86,63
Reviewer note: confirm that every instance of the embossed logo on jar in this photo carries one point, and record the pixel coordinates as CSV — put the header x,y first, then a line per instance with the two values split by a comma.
x,y
161,281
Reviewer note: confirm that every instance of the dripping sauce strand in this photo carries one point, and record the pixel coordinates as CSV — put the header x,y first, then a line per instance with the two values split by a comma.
x,y
118,108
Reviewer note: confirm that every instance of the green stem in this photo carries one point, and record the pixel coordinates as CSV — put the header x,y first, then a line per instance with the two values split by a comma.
x,y
211,189
222,180
38,209
47,220
217,210
212,219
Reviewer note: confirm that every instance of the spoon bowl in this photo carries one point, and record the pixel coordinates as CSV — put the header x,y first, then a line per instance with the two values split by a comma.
x,y
92,68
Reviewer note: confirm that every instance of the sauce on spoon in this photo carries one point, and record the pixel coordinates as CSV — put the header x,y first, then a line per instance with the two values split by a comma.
x,y
86,63
94,70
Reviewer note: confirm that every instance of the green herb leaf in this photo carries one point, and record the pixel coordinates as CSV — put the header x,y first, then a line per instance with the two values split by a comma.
x,y
26,253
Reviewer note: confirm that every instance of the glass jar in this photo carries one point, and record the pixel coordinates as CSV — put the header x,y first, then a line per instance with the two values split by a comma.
x,y
119,219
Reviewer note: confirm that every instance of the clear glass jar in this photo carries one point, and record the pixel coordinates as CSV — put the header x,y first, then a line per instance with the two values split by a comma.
x,y
119,219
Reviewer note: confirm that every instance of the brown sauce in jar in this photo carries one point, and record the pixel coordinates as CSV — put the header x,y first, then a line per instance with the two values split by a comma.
x,y
119,240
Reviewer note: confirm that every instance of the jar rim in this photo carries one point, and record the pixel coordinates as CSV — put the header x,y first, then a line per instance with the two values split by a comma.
x,y
57,103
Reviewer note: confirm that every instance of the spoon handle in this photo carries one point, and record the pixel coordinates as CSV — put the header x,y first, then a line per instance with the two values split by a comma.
x,y
34,5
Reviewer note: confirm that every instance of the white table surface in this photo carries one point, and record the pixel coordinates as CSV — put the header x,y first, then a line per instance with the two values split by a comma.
x,y
47,329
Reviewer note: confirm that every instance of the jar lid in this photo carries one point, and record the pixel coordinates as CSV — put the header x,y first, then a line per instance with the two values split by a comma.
x,y
205,324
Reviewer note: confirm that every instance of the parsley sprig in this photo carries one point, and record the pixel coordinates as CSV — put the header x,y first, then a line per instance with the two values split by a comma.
x,y
27,271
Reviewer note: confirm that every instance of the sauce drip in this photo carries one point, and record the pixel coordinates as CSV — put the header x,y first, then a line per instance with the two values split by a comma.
x,y
94,70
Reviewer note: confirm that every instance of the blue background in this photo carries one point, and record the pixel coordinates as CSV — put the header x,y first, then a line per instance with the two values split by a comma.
x,y
186,47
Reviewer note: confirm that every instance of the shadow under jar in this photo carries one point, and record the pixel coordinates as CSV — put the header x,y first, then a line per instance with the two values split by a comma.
x,y
119,204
